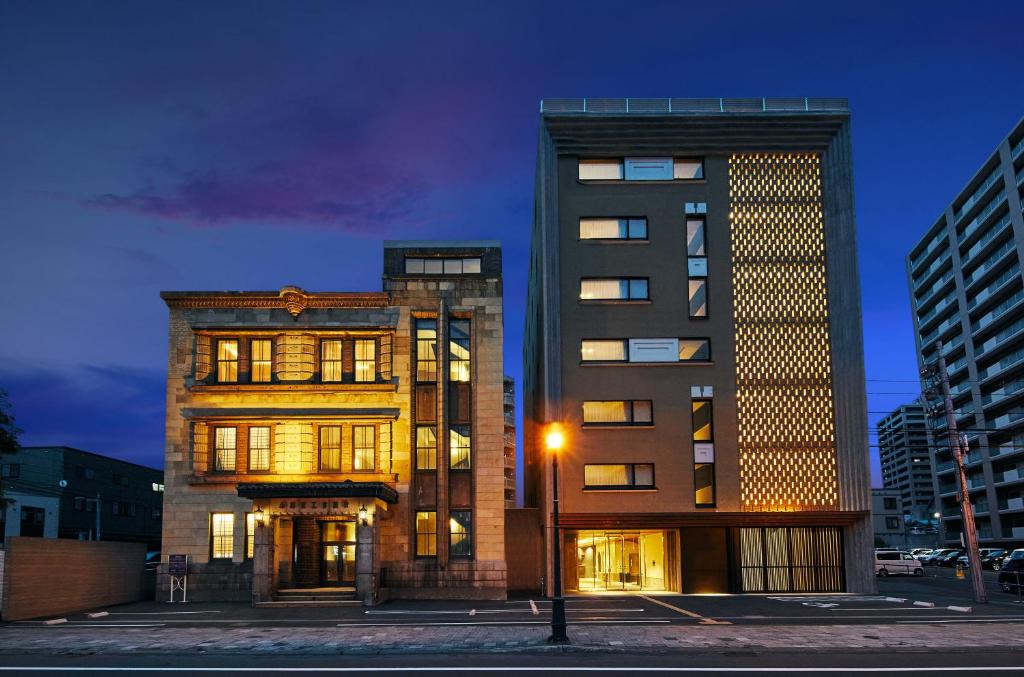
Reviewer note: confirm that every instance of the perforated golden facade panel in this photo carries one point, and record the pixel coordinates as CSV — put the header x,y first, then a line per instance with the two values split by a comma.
x,y
780,304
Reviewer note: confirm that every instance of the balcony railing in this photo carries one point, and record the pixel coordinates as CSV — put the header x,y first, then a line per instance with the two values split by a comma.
x,y
998,311
1008,361
1004,334
989,235
993,287
993,258
978,193
982,215
1006,390
682,105
934,289
934,243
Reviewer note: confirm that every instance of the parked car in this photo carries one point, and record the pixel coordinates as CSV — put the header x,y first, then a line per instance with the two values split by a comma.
x,y
930,559
949,559
918,552
890,562
995,560
1011,577
965,561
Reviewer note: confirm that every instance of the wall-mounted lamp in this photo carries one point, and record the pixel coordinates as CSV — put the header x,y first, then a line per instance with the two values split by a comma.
x,y
258,515
362,515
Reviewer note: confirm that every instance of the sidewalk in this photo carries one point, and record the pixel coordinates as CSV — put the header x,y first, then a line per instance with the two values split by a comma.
x,y
493,639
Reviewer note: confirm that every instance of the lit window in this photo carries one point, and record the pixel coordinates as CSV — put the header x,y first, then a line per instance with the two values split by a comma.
x,y
259,448
626,289
458,351
618,475
224,445
366,360
460,529
222,535
613,229
688,169
695,237
459,447
426,350
250,535
261,360
470,266
330,447
603,351
702,420
596,170
364,447
330,361
158,486
426,447
704,484
227,360
618,412
426,533
694,350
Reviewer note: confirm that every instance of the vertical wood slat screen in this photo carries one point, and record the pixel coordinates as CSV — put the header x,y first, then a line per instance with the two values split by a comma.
x,y
791,559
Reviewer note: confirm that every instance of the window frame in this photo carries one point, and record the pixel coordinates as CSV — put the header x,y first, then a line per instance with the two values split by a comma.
x,y
338,362
356,361
217,468
228,362
320,465
428,374
468,533
428,538
458,365
465,461
707,344
356,449
630,471
630,409
269,448
708,439
214,557
268,361
424,449
623,342
629,298
250,536
624,221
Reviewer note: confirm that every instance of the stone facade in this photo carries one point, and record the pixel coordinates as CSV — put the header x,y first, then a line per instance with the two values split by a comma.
x,y
337,388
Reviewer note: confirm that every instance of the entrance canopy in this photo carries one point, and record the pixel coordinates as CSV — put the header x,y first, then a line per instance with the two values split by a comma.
x,y
367,490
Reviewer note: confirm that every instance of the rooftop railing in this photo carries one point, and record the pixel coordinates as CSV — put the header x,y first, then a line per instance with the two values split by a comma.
x,y
675,105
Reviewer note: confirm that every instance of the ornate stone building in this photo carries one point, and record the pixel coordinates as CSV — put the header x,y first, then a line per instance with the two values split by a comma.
x,y
351,441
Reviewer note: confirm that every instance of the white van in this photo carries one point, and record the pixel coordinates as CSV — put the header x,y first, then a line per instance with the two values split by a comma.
x,y
895,562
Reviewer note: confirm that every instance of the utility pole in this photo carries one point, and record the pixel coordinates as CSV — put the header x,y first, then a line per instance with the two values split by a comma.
x,y
959,447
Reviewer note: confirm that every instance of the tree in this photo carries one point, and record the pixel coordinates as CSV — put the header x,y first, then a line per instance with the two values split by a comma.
x,y
8,437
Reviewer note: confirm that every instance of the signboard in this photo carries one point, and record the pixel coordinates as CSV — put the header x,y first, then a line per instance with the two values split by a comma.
x,y
703,452
177,565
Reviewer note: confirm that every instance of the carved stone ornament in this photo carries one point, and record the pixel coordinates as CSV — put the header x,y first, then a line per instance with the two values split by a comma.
x,y
295,299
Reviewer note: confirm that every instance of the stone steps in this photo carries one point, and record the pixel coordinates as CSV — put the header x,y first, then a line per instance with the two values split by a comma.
x,y
312,597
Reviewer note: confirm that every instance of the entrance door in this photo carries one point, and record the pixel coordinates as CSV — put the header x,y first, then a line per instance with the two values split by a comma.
x,y
337,553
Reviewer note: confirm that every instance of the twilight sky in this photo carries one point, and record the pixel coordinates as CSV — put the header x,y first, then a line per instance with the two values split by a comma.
x,y
194,145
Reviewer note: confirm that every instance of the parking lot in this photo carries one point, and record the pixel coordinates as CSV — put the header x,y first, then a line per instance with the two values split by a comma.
x,y
938,597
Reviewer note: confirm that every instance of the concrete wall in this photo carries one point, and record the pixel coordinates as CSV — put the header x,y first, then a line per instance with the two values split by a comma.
x,y
18,500
90,574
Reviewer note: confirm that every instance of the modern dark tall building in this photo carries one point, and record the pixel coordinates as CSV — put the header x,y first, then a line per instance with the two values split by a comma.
x,y
967,295
694,327
906,462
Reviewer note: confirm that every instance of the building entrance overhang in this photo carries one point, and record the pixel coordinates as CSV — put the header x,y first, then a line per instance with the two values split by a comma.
x,y
302,491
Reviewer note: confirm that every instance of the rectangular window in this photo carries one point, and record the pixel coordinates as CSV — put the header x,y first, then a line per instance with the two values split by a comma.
x,y
447,266
259,448
80,503
459,446
892,522
694,350
618,412
458,351
222,535
366,360
603,350
426,533
413,266
13,470
698,297
227,361
330,361
890,503
250,535
695,237
261,349
703,453
460,529
426,350
606,289
224,446
600,170
364,447
330,447
613,229
618,476
426,447
688,169
649,169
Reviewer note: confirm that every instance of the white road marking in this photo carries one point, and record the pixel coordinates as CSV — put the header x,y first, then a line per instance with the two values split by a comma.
x,y
924,604
533,608
961,609
970,620
98,614
517,668
413,624
421,612
82,624
703,619
160,613
472,612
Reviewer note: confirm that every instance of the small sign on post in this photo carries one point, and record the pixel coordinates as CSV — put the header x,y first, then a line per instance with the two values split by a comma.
x,y
177,567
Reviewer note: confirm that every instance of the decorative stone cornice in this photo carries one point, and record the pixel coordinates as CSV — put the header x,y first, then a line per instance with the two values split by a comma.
x,y
293,299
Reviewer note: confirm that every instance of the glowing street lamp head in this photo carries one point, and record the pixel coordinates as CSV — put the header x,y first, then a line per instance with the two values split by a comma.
x,y
554,439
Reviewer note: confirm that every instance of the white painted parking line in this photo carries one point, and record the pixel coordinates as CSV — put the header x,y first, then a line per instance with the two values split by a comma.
x,y
924,604
98,614
969,620
422,612
160,613
531,669
433,623
533,608
82,624
962,609
55,621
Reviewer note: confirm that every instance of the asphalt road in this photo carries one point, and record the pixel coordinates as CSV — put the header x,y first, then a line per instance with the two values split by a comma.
x,y
704,663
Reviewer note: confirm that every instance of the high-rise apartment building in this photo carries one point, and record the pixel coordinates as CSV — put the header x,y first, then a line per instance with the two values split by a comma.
x,y
906,462
342,440
509,401
967,295
694,327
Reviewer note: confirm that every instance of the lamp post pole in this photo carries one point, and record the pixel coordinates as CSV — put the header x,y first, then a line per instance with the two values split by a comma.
x,y
558,625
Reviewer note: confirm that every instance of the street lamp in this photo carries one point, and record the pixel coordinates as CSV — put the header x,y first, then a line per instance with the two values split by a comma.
x,y
555,440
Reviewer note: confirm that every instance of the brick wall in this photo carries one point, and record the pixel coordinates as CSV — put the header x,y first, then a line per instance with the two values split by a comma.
x,y
47,577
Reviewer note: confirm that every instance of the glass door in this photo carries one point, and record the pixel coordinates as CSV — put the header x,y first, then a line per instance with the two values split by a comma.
x,y
337,553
